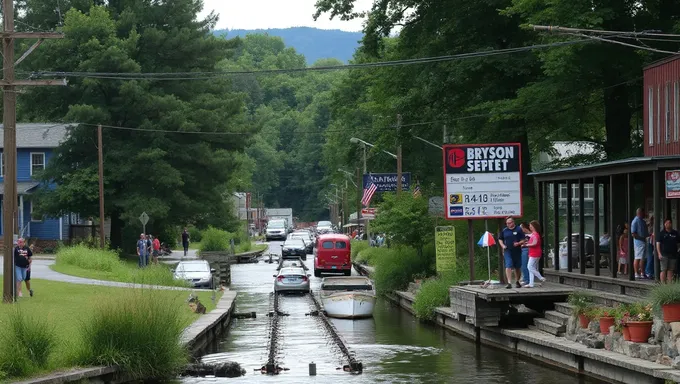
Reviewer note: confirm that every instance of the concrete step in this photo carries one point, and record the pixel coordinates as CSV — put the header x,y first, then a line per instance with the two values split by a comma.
x,y
557,317
564,308
548,326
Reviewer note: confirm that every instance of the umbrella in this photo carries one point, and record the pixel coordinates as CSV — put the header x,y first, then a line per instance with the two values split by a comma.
x,y
487,241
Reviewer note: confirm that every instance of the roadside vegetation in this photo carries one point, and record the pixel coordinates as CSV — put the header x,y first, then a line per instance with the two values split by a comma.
x,y
217,240
105,264
67,325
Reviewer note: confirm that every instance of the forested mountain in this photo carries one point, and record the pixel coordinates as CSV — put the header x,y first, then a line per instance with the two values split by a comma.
x,y
312,43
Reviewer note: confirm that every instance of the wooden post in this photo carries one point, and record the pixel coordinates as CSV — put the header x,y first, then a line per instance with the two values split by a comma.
x,y
628,219
542,221
471,249
569,229
614,243
102,237
658,189
596,223
359,192
556,230
581,228
501,261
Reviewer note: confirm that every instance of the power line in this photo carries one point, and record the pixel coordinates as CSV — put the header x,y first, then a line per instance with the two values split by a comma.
x,y
622,43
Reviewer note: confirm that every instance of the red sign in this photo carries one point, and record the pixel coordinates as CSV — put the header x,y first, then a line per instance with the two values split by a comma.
x,y
673,184
368,212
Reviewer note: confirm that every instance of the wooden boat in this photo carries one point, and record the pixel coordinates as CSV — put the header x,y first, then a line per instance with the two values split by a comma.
x,y
351,297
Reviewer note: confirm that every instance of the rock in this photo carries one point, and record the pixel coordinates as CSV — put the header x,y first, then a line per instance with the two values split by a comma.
x,y
649,352
581,337
675,330
594,326
659,329
229,369
571,336
665,360
631,349
652,341
669,348
618,345
612,329
594,342
609,342
572,325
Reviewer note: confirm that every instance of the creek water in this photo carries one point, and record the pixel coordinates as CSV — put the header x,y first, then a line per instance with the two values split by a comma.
x,y
393,346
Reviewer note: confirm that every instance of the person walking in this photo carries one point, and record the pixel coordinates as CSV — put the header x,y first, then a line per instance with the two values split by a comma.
x,y
667,243
535,253
141,251
640,233
649,259
185,241
511,239
22,262
623,250
156,249
525,254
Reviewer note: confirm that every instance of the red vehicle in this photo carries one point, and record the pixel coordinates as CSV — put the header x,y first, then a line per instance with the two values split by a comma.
x,y
333,255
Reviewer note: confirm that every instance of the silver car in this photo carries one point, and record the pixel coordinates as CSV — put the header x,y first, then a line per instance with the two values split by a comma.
x,y
196,272
291,279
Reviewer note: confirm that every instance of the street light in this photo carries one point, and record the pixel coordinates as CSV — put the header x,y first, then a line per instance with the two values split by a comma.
x,y
354,140
428,142
349,175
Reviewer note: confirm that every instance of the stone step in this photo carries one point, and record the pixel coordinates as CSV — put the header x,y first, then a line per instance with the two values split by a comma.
x,y
548,326
557,317
564,308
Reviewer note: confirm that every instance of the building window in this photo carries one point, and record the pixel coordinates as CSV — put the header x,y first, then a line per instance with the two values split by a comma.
x,y
667,94
37,162
563,191
658,114
650,113
588,191
33,218
2,164
676,111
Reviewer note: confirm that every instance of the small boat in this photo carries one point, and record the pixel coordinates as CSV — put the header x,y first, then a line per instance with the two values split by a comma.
x,y
351,297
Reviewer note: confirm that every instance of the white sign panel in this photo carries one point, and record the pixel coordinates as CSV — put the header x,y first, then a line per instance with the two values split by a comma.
x,y
482,181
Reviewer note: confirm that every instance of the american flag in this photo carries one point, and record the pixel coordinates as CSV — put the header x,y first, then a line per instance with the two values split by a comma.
x,y
368,193
416,192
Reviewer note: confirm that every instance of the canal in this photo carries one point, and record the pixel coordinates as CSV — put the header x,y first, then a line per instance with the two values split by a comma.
x,y
393,346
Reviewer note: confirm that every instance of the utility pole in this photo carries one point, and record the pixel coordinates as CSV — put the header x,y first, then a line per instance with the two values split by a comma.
x,y
359,193
445,139
102,239
398,155
9,84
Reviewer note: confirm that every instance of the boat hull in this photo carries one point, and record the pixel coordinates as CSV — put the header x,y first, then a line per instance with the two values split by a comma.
x,y
349,305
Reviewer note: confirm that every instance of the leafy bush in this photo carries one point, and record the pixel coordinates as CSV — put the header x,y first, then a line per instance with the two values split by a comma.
x,y
370,255
195,234
665,294
25,344
358,246
432,294
139,331
395,268
215,240
581,301
88,258
405,219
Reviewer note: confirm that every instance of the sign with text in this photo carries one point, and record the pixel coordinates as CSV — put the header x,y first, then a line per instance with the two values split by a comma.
x,y
387,182
445,247
482,181
673,184
368,213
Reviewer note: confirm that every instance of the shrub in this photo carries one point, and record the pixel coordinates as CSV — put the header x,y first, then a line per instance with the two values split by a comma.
x,y
665,294
25,344
195,234
139,331
215,240
581,301
370,255
396,267
358,246
432,294
89,258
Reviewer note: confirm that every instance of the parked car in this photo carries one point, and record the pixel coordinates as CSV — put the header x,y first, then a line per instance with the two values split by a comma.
x,y
293,248
575,249
276,229
196,272
333,255
323,227
291,279
306,237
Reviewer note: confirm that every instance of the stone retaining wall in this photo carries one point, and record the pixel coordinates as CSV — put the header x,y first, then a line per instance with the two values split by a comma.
x,y
221,262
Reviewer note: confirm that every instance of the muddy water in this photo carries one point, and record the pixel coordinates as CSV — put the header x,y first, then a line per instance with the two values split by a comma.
x,y
393,346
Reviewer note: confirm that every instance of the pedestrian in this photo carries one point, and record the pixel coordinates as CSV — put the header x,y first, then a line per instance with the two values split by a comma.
x,y
149,247
535,253
649,259
141,251
27,280
525,254
638,228
185,241
22,262
156,249
667,248
511,239
623,250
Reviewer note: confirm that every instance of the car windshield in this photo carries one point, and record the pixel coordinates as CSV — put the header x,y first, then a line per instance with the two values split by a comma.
x,y
324,224
291,271
275,225
293,243
192,267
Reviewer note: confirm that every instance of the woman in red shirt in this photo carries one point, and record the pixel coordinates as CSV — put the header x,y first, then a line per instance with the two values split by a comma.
x,y
535,253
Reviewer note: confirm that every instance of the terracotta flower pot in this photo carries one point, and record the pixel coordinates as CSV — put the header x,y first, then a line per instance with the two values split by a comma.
x,y
605,323
671,312
583,320
626,333
640,331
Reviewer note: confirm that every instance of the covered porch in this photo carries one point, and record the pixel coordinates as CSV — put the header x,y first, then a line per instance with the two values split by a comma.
x,y
592,200
24,210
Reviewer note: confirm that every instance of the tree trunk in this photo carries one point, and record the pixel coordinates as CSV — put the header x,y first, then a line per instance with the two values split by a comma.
x,y
116,231
617,122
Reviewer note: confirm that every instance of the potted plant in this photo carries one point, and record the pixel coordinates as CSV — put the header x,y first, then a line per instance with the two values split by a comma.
x,y
640,322
582,304
606,318
621,318
667,298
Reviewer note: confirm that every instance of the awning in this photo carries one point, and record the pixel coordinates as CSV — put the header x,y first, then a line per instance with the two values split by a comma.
x,y
22,187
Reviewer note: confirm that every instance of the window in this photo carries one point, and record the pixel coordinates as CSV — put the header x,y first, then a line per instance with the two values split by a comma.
x,y
588,191
2,164
33,218
667,94
327,245
650,114
37,162
340,245
563,191
658,114
676,110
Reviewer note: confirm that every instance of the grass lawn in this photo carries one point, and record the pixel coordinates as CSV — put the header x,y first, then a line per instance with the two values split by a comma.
x,y
66,306
127,272
196,245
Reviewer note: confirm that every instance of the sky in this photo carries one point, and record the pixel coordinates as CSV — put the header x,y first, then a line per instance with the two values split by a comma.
x,y
263,14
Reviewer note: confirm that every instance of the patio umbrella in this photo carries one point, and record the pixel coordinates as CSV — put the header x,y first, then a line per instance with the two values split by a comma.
x,y
487,241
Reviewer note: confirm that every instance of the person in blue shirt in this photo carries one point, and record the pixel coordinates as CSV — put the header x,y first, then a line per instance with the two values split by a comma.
x,y
142,251
511,239
640,233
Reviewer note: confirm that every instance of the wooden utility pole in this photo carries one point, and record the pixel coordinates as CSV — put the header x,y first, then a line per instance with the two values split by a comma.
x,y
9,84
399,186
102,238
360,191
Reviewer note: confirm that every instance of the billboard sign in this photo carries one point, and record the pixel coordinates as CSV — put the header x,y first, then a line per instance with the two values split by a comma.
x,y
387,182
673,184
368,213
482,181
445,247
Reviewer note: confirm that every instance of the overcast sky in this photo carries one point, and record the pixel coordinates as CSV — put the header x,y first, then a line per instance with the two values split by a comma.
x,y
262,14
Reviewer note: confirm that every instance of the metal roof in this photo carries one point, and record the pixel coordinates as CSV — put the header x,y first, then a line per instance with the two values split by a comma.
x,y
623,166
22,187
661,62
38,135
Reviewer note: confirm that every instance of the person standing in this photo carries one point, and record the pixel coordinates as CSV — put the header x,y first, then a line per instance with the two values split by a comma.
x,y
667,243
511,239
156,249
185,241
22,262
623,250
649,259
525,254
640,233
141,251
535,253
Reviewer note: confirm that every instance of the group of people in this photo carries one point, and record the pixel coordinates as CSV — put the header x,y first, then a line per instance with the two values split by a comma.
x,y
148,246
522,249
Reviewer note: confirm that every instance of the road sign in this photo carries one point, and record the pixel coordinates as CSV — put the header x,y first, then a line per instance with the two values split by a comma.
x,y
673,184
144,218
482,181
387,182
368,213
445,247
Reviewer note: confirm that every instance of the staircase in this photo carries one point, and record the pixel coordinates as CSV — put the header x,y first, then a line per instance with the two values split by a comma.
x,y
554,322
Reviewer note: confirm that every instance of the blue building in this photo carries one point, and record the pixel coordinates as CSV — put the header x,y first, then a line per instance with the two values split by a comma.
x,y
35,148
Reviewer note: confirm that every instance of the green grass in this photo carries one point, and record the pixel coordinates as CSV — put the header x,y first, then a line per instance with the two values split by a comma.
x,y
106,265
68,309
195,245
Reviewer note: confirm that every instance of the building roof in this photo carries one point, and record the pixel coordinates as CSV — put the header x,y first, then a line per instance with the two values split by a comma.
x,y
22,187
623,166
38,135
661,62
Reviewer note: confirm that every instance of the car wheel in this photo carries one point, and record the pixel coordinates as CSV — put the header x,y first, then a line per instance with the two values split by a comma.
x,y
317,273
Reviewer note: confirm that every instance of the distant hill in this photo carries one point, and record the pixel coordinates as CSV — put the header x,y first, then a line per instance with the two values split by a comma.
x,y
313,43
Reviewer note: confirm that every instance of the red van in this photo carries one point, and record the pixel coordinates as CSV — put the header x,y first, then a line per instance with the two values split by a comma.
x,y
333,255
